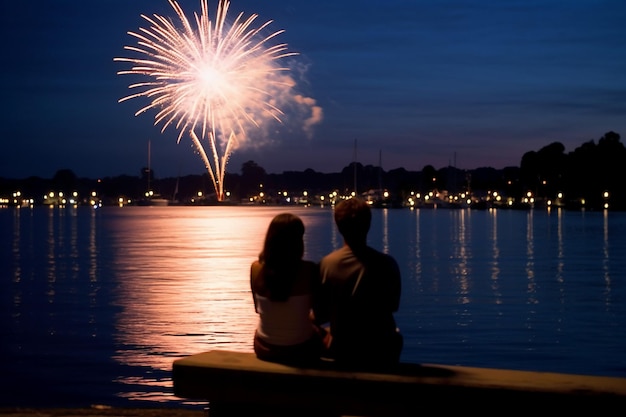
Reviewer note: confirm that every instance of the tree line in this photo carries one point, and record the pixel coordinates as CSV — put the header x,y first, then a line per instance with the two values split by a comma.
x,y
589,174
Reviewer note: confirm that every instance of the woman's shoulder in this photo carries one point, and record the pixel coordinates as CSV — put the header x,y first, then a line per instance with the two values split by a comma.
x,y
255,269
256,280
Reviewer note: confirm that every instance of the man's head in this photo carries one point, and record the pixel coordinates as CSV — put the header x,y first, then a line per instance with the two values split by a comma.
x,y
353,218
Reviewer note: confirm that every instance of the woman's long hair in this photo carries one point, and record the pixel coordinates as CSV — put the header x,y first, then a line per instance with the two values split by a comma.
x,y
281,256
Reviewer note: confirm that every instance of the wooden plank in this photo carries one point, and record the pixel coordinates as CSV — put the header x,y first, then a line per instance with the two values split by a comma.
x,y
239,378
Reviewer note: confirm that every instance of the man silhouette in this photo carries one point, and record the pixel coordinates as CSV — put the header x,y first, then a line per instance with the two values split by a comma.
x,y
361,288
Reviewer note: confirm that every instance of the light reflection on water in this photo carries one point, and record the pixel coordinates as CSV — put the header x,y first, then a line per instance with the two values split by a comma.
x,y
191,274
124,291
184,284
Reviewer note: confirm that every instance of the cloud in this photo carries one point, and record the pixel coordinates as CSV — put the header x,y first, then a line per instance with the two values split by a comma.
x,y
316,114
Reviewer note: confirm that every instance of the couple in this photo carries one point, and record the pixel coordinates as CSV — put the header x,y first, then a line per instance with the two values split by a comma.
x,y
341,308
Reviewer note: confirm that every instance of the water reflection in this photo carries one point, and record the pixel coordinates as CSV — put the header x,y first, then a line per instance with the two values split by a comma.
x,y
605,252
414,250
495,256
560,246
460,236
140,286
385,230
530,257
181,284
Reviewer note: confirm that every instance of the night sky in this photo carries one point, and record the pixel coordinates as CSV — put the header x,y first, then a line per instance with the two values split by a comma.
x,y
411,82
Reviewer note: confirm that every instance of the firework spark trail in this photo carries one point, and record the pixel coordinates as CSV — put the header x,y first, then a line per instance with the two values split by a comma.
x,y
218,78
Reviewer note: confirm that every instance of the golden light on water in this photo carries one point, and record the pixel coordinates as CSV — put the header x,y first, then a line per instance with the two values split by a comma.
x,y
134,288
190,287
193,291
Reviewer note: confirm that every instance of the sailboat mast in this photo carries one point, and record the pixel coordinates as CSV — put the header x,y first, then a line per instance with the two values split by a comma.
x,y
380,169
149,169
354,166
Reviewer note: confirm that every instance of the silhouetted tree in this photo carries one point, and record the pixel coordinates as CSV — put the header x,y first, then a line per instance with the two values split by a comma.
x,y
64,180
542,171
429,178
352,178
593,169
252,176
612,168
586,173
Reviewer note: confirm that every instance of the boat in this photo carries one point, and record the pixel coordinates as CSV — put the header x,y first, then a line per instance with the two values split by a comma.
x,y
150,197
153,200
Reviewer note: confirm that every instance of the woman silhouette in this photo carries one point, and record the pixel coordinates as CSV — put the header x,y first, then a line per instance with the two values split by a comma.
x,y
285,289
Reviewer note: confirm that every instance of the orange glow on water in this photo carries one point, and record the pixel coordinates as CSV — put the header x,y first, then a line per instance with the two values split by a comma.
x,y
183,285
191,285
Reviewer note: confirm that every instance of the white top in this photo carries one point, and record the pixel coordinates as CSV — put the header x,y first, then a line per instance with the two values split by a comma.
x,y
284,323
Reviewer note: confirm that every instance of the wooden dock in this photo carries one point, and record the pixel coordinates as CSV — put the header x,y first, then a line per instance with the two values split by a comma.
x,y
237,383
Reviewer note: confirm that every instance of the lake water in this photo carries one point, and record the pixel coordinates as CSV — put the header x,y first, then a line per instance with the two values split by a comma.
x,y
96,304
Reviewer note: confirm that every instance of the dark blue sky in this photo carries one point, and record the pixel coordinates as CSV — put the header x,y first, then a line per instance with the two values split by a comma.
x,y
471,83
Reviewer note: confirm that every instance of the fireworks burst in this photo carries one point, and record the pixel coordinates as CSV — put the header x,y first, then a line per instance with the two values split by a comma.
x,y
212,80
